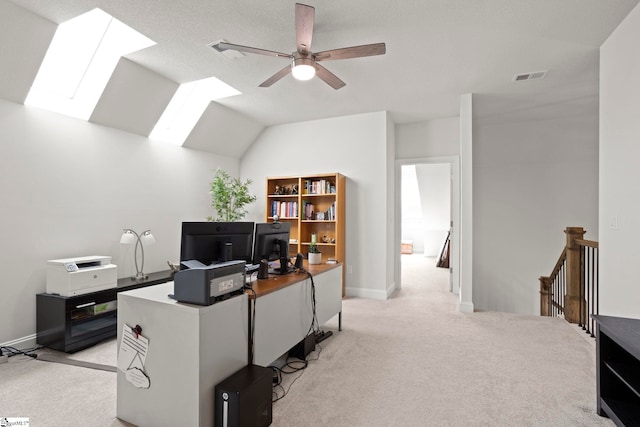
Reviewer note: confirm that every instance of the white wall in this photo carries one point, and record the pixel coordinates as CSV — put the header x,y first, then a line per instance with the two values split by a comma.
x,y
431,138
355,146
435,195
412,221
426,205
466,237
69,187
619,172
532,178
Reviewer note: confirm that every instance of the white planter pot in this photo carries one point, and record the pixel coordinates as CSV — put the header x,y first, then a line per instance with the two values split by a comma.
x,y
315,258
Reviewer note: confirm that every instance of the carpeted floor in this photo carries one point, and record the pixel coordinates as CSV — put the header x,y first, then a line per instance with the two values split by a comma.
x,y
410,361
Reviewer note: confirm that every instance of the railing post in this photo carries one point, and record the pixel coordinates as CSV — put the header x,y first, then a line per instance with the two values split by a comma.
x,y
574,298
545,296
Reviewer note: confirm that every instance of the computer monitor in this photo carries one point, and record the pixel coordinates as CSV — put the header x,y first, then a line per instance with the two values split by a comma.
x,y
271,242
215,242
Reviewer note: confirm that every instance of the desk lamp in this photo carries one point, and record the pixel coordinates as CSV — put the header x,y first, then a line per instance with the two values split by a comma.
x,y
128,238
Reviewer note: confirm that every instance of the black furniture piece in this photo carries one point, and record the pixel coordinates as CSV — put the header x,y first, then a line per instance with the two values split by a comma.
x,y
618,369
73,323
244,398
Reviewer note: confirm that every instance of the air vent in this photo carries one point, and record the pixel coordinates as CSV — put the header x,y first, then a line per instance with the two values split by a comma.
x,y
228,53
530,76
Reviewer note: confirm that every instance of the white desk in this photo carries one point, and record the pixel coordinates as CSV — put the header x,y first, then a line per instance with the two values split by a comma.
x,y
191,349
283,315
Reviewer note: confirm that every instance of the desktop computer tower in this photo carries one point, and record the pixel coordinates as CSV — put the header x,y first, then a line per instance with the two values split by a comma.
x,y
244,398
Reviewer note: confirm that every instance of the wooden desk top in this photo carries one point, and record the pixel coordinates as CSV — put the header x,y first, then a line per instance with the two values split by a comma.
x,y
275,282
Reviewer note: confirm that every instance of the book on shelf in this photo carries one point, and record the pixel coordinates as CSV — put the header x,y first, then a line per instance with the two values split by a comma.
x,y
308,210
322,186
284,209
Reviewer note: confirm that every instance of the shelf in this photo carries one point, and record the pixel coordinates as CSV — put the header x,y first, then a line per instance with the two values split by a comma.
x,y
326,201
627,373
72,323
622,413
618,369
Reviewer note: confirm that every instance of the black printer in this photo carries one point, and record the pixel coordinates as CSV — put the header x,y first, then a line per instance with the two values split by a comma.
x,y
209,284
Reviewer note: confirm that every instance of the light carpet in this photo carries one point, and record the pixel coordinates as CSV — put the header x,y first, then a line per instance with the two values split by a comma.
x,y
412,360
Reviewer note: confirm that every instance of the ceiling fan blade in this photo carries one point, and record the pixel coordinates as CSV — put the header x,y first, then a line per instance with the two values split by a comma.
x,y
352,52
230,46
304,27
277,76
328,77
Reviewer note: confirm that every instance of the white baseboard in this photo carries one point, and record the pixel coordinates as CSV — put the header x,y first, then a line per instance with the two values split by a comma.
x,y
390,289
21,343
465,307
366,293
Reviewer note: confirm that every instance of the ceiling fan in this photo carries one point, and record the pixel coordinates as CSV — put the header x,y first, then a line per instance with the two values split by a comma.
x,y
304,63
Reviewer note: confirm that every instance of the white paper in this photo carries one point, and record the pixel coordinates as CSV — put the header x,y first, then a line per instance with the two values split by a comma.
x,y
133,350
137,377
194,264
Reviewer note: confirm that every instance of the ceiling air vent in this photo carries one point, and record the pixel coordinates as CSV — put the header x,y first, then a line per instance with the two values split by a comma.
x,y
530,76
228,53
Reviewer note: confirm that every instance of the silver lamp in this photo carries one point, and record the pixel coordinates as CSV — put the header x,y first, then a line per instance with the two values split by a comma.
x,y
130,237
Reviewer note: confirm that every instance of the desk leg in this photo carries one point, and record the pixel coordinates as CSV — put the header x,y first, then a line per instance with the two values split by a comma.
x,y
250,332
340,321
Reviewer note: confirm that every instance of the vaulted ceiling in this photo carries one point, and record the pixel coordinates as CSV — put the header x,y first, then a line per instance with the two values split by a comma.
x,y
436,51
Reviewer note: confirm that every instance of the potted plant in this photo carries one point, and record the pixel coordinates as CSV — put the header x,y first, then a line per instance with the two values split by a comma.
x,y
314,256
229,197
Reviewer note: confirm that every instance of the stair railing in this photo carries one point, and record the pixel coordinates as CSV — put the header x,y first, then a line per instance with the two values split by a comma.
x,y
572,290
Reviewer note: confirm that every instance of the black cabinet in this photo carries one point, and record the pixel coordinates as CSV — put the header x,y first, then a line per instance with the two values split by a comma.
x,y
73,323
618,369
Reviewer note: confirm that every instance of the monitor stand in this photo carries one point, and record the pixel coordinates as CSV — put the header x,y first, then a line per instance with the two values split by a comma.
x,y
283,269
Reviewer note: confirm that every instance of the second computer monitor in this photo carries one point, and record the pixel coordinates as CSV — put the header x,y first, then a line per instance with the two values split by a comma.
x,y
271,241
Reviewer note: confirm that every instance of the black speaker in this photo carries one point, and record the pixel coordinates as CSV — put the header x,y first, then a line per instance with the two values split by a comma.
x,y
299,259
244,398
263,270
226,252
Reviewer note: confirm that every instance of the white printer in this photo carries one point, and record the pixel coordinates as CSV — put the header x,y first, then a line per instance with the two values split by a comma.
x,y
81,275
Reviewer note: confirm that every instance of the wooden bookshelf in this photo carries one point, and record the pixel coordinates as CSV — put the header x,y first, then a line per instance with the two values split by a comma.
x,y
311,204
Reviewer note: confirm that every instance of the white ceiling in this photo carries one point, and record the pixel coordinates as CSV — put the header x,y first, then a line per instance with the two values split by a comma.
x,y
436,51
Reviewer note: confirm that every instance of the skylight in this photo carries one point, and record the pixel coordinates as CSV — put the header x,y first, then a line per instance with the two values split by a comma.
x,y
81,58
186,107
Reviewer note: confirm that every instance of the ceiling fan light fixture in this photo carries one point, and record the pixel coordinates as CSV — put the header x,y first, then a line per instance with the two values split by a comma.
x,y
303,69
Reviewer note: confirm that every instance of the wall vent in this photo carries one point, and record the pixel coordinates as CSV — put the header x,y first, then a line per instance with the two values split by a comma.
x,y
530,76
228,53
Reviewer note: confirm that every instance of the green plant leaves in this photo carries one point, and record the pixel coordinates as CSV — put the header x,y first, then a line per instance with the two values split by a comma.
x,y
229,197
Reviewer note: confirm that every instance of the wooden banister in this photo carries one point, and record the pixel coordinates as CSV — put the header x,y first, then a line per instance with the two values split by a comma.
x,y
571,290
545,296
587,243
574,299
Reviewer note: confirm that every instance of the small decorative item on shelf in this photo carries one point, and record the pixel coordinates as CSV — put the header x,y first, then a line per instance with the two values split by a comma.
x,y
325,239
315,257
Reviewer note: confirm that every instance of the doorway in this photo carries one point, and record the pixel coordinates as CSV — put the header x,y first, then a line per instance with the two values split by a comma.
x,y
428,210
